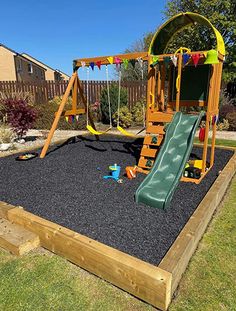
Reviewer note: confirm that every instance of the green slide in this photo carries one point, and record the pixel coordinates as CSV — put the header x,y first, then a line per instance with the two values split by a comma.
x,y
158,187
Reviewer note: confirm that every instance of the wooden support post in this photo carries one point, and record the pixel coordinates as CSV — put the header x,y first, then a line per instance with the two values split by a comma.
x,y
75,95
58,115
150,95
178,81
80,88
163,78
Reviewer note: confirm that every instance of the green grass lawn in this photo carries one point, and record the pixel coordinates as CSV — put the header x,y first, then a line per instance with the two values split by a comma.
x,y
43,281
220,142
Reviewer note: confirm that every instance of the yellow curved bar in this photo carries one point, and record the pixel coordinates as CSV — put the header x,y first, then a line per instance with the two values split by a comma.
x,y
194,17
94,132
124,132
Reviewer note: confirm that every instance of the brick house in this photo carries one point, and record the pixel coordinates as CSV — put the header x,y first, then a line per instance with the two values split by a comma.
x,y
15,67
50,73
23,67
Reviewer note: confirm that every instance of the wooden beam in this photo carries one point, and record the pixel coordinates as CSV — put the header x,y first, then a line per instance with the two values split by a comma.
x,y
139,278
58,115
104,59
178,256
16,239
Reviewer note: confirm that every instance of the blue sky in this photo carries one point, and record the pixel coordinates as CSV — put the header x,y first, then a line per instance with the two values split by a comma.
x,y
56,32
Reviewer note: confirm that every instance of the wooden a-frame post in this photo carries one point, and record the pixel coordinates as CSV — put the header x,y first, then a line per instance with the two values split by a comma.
x,y
74,85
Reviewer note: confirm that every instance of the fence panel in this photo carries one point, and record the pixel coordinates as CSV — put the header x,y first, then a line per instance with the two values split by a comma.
x,y
46,90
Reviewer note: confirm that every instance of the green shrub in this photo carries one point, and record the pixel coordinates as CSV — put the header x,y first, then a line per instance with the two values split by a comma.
x,y
138,112
223,126
125,119
113,90
231,117
46,115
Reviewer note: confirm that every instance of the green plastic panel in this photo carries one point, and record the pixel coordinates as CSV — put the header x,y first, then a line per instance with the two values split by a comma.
x,y
158,187
194,83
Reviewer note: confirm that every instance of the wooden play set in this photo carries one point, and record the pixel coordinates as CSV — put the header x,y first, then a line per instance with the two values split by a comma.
x,y
176,82
194,79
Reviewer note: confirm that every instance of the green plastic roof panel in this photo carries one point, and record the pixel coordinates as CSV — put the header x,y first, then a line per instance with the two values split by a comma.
x,y
178,22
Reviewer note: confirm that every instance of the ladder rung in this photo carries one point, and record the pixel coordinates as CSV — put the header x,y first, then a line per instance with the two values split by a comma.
x,y
142,163
148,140
155,129
148,152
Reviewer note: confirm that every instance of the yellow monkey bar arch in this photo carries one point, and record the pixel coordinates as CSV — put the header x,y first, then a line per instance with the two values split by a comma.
x,y
178,22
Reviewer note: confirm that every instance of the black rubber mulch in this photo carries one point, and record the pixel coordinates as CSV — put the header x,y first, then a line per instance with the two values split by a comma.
x,y
67,187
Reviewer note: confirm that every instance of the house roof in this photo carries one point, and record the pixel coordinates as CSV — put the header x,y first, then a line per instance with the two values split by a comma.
x,y
44,65
20,55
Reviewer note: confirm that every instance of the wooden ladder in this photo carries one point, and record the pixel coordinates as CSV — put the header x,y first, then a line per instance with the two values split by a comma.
x,y
154,137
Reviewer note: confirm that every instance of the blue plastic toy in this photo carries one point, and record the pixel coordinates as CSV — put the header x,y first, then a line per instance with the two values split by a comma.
x,y
115,172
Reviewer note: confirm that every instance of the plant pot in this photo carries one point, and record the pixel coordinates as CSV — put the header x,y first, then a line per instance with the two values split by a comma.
x,y
5,146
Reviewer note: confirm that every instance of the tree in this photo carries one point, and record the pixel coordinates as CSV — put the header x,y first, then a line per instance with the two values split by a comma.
x,y
222,15
132,73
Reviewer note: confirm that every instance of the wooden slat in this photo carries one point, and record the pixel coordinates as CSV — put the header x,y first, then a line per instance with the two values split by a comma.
x,y
178,256
72,112
160,117
16,239
148,152
155,129
142,163
148,140
139,278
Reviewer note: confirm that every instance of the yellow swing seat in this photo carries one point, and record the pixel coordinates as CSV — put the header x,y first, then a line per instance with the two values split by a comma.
x,y
124,132
94,132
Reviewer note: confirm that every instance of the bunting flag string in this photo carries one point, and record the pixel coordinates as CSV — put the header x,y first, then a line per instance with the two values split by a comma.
x,y
195,58
166,61
110,59
117,62
140,61
92,65
83,64
155,59
186,58
126,63
98,63
174,59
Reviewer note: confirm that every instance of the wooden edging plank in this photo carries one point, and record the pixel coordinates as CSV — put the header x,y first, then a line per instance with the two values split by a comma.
x,y
178,256
143,280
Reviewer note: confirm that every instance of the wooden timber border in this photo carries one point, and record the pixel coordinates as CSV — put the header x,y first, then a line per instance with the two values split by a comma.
x,y
153,284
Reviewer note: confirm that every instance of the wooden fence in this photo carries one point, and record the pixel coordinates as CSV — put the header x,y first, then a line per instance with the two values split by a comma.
x,y
46,90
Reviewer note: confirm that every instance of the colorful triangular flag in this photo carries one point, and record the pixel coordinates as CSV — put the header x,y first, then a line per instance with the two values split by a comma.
x,y
110,59
174,59
186,58
140,61
117,62
83,64
166,61
77,117
67,118
92,65
155,59
195,58
98,63
126,63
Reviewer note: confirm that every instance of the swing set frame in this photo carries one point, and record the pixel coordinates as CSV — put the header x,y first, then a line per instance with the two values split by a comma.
x,y
75,86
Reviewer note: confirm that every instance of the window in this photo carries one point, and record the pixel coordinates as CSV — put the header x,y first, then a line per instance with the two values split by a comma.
x,y
30,68
19,65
